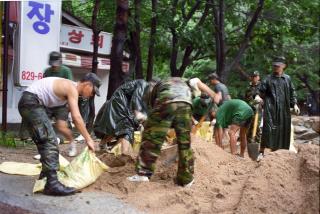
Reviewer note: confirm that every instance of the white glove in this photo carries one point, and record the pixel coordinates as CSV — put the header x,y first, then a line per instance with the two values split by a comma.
x,y
296,109
195,122
258,99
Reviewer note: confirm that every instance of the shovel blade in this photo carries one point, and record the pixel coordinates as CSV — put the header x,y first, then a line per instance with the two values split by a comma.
x,y
253,150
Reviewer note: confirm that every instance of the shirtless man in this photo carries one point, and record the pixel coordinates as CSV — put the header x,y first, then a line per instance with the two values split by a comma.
x,y
52,92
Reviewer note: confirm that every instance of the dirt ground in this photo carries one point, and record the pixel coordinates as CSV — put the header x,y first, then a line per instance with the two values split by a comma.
x,y
283,182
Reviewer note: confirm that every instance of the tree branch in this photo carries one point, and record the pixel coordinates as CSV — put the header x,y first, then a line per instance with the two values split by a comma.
x,y
247,35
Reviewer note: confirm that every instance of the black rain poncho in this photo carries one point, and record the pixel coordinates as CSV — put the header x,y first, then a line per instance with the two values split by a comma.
x,y
116,116
279,95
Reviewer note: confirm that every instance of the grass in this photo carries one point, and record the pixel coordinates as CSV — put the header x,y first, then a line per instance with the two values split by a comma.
x,y
9,139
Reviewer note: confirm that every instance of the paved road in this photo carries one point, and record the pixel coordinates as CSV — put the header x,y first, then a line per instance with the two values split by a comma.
x,y
16,194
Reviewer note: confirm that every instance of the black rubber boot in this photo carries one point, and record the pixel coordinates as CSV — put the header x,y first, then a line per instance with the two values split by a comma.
x,y
42,175
54,187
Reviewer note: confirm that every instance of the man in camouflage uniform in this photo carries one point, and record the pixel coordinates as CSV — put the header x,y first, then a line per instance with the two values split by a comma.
x,y
250,94
170,101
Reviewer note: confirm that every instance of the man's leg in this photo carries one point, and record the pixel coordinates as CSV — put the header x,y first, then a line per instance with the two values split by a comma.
x,y
182,125
157,126
233,129
218,133
45,138
243,140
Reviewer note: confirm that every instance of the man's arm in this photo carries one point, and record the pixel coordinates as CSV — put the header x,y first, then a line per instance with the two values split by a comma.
x,y
204,88
72,97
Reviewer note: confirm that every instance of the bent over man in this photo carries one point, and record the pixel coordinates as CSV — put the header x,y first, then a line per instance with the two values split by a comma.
x,y
52,92
170,103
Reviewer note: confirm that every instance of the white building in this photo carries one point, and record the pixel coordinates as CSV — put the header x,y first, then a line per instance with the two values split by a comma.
x,y
73,39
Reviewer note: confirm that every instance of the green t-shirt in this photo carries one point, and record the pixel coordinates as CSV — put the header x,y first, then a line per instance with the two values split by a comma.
x,y
199,109
63,72
233,111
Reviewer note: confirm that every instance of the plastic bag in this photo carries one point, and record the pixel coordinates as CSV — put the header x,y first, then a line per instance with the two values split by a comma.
x,y
16,168
81,172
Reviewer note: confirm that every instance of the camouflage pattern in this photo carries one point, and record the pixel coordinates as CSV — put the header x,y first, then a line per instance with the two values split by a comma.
x,y
170,104
40,128
174,89
250,94
175,115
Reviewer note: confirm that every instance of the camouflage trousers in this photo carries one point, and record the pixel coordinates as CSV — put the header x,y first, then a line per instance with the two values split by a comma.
x,y
41,130
161,119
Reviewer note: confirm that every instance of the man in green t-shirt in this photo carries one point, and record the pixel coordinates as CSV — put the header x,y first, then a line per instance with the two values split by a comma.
x,y
57,69
235,114
61,113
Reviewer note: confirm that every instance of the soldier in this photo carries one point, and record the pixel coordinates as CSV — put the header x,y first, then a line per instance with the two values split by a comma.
x,y
250,95
170,101
53,92
237,115
279,96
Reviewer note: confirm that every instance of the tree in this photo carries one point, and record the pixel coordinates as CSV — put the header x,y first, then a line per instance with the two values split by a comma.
x,y
223,68
153,30
117,75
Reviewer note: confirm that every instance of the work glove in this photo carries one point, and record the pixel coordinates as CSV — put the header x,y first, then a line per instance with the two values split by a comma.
x,y
296,109
258,99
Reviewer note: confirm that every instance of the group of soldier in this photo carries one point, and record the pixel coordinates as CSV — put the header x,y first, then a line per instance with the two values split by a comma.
x,y
159,105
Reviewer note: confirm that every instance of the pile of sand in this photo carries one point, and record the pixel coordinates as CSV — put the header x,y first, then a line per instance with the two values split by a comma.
x,y
282,182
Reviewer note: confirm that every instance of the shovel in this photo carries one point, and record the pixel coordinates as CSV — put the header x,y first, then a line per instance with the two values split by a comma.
x,y
253,147
198,126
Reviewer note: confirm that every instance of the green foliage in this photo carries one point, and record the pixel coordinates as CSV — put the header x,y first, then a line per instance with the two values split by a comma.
x,y
8,139
289,28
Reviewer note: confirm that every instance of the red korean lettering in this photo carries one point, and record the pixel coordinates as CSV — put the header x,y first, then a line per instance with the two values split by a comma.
x,y
75,37
100,41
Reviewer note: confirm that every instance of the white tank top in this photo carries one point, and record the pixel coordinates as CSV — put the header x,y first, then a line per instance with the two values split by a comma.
x,y
44,90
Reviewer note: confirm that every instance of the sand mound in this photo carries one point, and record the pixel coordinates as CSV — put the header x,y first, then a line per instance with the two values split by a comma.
x,y
282,182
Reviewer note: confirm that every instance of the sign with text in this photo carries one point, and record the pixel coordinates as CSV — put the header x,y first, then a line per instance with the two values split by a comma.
x,y
39,35
79,38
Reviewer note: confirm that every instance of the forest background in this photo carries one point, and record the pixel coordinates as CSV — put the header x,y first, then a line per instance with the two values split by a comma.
x,y
193,38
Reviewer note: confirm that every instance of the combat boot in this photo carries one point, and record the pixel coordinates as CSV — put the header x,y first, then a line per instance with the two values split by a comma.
x,y
54,187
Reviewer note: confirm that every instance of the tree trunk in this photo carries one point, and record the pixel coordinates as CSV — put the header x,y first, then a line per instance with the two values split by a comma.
x,y
152,40
247,38
95,38
223,68
135,36
119,37
174,44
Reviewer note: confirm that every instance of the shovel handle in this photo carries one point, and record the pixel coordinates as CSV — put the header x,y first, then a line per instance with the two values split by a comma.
x,y
255,125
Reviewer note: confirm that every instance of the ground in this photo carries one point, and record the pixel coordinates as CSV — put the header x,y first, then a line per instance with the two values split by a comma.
x,y
283,182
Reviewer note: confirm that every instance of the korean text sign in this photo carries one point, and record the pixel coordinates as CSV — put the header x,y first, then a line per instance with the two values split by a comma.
x,y
39,35
79,38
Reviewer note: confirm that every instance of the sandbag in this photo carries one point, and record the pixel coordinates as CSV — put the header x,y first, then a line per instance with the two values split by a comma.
x,y
81,172
16,168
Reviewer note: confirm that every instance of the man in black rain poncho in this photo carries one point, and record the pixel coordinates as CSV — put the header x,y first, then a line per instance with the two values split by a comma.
x,y
120,116
279,95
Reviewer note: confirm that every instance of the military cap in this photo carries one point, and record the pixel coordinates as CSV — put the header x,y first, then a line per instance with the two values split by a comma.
x,y
255,73
279,60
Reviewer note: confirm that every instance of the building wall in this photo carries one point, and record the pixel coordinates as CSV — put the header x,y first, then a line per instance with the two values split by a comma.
x,y
15,92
